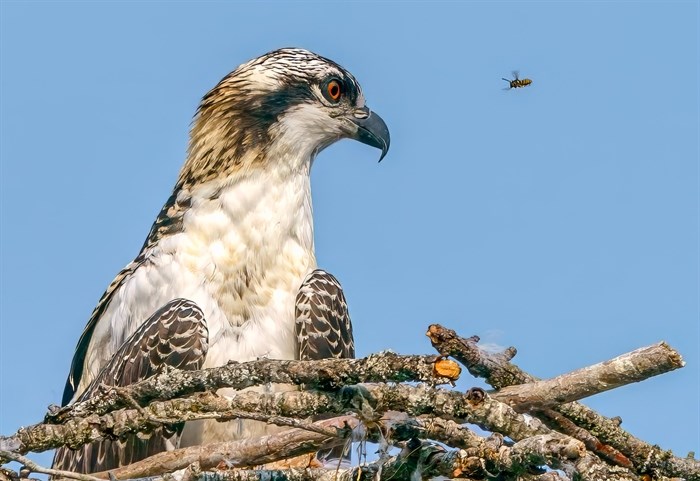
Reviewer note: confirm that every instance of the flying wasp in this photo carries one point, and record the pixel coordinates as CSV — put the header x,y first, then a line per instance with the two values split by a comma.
x,y
517,82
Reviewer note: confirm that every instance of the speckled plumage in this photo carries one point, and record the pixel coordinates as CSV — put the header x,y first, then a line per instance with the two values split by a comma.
x,y
235,238
175,335
323,327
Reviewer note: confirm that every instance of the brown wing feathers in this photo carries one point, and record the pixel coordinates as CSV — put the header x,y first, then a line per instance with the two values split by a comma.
x,y
323,327
175,335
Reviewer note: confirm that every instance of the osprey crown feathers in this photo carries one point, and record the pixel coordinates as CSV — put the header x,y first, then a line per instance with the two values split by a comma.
x,y
228,270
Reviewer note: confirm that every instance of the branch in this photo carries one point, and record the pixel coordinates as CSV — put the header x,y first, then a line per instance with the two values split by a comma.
x,y
564,425
499,372
477,408
417,460
632,367
248,452
425,460
318,374
551,449
524,391
647,458
474,407
489,456
495,368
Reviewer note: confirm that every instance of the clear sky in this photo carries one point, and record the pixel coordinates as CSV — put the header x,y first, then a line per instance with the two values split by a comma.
x,y
561,218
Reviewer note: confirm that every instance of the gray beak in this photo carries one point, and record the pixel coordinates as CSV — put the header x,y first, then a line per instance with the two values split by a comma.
x,y
371,130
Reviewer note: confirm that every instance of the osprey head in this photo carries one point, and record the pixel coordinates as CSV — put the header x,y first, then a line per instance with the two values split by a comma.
x,y
286,105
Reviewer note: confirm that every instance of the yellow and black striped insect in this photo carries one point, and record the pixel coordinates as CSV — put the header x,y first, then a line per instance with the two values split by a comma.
x,y
517,82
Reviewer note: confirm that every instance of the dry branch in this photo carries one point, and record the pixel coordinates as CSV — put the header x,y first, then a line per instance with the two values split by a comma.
x,y
632,367
646,458
552,449
244,453
421,459
487,456
483,457
318,374
519,388
499,372
474,407
561,423
418,458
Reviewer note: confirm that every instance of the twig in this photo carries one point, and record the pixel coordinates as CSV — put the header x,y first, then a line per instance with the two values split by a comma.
x,y
556,420
35,468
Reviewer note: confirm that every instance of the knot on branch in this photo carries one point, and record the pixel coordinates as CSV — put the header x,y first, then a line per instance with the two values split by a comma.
x,y
476,395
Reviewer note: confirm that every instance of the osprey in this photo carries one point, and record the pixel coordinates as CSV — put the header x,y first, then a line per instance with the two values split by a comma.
x,y
228,270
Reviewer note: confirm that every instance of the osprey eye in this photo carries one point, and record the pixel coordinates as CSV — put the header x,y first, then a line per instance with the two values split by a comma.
x,y
333,91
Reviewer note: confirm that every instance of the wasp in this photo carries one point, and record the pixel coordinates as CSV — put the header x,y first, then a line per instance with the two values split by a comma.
x,y
517,82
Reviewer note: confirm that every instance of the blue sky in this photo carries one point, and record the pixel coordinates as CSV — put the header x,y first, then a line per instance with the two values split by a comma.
x,y
561,218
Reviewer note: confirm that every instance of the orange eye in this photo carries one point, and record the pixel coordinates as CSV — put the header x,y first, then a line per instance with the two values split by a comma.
x,y
334,90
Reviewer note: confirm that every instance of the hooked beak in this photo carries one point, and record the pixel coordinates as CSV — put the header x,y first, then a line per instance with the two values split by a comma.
x,y
371,129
